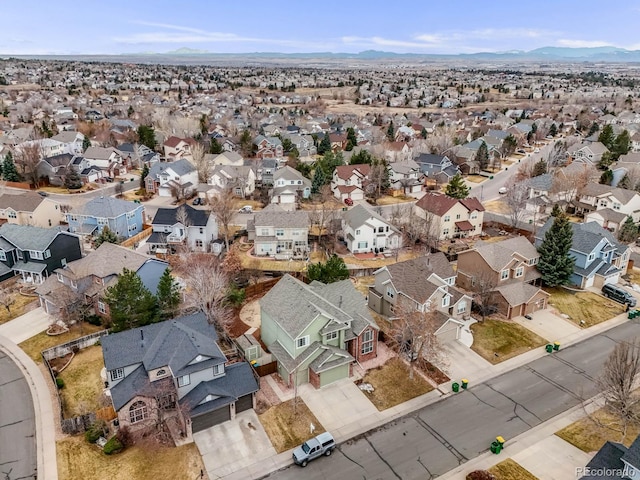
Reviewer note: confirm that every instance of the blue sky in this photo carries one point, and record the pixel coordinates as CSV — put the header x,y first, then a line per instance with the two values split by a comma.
x,y
418,26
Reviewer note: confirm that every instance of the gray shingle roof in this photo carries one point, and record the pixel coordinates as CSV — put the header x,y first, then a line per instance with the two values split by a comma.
x,y
179,167
108,259
26,237
607,460
169,216
586,236
518,293
411,277
277,217
499,254
106,207
541,182
360,214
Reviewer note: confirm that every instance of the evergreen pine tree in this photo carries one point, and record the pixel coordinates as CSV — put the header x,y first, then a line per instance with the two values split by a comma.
x,y
72,179
144,174
131,304
607,137
325,145
9,170
391,132
168,295
106,235
555,264
482,156
215,147
86,143
621,145
456,187
553,130
556,210
539,168
625,182
607,177
318,181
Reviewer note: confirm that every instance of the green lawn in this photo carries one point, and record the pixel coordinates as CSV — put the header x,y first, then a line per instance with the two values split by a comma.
x,y
504,338
587,306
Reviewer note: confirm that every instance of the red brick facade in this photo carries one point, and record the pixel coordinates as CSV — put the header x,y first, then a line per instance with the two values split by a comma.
x,y
355,346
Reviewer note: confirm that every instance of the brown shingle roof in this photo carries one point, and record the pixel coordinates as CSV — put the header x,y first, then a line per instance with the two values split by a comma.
x,y
346,171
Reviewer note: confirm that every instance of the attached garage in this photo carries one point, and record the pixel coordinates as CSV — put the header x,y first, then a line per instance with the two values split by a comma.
x,y
244,403
333,375
209,419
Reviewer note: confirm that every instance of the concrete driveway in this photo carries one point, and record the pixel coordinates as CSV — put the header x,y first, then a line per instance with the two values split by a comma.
x,y
26,326
234,445
336,405
548,325
464,362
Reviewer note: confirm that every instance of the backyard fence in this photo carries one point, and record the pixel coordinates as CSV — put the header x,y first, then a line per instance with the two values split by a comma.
x,y
259,288
130,242
80,423
264,370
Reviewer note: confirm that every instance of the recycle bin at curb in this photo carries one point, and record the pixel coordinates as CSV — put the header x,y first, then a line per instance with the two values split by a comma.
x,y
464,382
556,346
500,440
549,348
455,387
496,447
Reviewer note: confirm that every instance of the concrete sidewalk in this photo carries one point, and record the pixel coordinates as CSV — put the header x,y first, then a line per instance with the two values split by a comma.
x,y
375,419
44,414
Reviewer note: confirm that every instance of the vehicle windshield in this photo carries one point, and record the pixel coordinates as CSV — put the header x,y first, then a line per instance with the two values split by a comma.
x,y
305,447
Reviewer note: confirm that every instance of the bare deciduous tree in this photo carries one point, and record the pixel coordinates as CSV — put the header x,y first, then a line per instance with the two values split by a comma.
x,y
413,335
7,298
516,200
223,208
28,157
483,286
200,162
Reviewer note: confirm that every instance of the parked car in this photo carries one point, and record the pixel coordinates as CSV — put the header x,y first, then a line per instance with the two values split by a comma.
x,y
618,294
108,179
536,150
197,201
323,444
42,193
502,190
348,201
246,209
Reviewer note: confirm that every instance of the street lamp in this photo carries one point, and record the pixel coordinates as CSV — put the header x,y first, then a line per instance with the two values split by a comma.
x,y
481,191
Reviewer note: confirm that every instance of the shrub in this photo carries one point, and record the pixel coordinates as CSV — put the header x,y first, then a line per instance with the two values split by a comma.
x,y
94,320
236,296
59,383
124,436
113,446
481,475
92,435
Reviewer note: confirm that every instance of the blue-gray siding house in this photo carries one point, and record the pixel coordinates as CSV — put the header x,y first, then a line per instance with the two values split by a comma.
x,y
599,257
124,218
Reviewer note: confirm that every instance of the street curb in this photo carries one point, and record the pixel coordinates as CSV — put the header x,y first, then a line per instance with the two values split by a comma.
x,y
46,461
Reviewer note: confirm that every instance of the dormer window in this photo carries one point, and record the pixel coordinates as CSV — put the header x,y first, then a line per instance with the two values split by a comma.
x,y
3,255
198,358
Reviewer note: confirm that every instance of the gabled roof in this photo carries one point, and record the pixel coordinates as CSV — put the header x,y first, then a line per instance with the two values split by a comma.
x,y
68,136
274,216
107,207
359,215
412,277
179,167
431,159
62,160
26,237
586,236
439,204
22,202
288,173
171,216
345,172
173,141
108,259
518,293
498,255
408,166
600,190
99,153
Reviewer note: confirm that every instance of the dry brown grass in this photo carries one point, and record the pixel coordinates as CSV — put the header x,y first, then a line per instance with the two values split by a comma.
x,y
392,385
505,338
590,434
389,200
269,264
633,275
22,304
287,427
496,206
510,470
42,341
79,459
82,382
382,261
475,178
587,306
362,284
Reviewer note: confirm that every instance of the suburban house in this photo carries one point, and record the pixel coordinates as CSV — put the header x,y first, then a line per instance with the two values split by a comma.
x,y
405,177
90,276
615,461
608,206
178,368
106,159
599,257
587,153
239,180
124,218
72,140
289,185
34,252
349,181
268,147
176,148
539,198
279,233
424,284
166,178
267,168
228,158
508,269
316,332
55,168
183,225
29,208
137,154
439,167
449,217
365,231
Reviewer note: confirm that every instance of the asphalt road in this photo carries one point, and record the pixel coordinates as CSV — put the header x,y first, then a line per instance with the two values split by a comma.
x,y
17,424
441,436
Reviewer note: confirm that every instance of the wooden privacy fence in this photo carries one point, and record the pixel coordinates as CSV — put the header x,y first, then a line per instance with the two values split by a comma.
x,y
130,242
259,288
77,344
267,369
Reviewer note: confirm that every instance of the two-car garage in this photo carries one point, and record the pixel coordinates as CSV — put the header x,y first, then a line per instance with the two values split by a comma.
x,y
220,415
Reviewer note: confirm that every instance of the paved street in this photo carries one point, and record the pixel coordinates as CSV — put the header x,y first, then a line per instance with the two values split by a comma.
x,y
17,423
441,436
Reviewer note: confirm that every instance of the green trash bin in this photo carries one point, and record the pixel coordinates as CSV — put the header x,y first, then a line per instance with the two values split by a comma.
x,y
549,348
496,447
455,387
631,314
556,346
464,383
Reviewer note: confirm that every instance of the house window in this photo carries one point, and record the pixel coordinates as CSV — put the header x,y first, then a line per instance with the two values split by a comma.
x,y
358,232
60,277
447,218
445,232
390,292
101,307
279,232
138,412
331,335
201,230
504,274
218,370
117,373
12,214
103,221
474,215
380,229
36,255
616,206
462,306
445,301
47,253
592,256
199,243
458,217
362,244
367,342
519,272
533,261
302,342
184,380
264,232
3,256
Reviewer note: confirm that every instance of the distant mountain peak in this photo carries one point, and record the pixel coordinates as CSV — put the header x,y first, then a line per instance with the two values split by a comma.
x,y
186,51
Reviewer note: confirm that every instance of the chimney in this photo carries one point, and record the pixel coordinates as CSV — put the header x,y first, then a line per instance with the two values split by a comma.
x,y
340,302
141,339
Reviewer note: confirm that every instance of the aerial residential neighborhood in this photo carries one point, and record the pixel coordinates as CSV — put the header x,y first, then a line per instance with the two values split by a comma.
x,y
413,263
